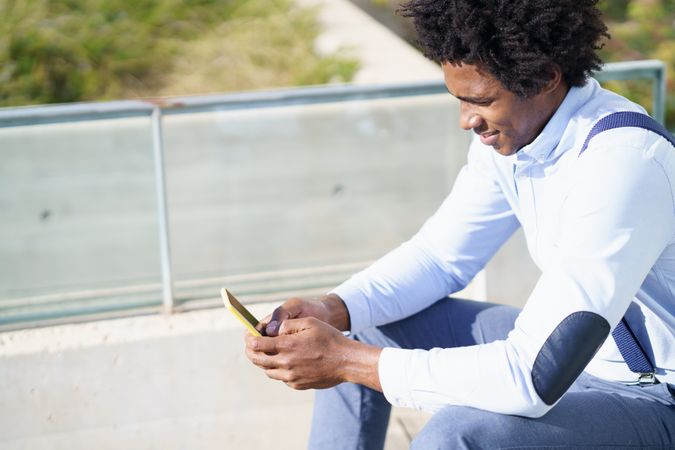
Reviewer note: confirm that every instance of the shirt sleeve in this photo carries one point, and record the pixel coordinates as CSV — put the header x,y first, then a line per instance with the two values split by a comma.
x,y
614,223
442,258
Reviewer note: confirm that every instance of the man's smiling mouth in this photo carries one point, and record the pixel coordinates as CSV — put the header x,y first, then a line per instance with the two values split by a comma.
x,y
489,137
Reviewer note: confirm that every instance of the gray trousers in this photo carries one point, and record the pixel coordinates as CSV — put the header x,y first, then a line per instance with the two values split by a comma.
x,y
593,414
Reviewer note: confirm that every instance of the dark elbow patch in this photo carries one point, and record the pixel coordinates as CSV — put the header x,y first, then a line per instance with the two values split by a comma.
x,y
566,353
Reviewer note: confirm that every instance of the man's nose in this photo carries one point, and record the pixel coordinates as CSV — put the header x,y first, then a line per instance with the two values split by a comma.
x,y
468,119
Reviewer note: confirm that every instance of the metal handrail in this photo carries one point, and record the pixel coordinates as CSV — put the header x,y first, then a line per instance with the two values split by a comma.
x,y
48,114
228,280
156,108
43,114
634,70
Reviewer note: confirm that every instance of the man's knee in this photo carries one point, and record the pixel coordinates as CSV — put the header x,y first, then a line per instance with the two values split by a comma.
x,y
458,427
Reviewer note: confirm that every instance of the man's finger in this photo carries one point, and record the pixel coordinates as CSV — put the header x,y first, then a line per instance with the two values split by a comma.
x,y
262,344
262,324
292,326
262,360
279,374
262,327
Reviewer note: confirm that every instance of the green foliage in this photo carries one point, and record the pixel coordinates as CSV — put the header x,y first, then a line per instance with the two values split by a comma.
x,y
642,29
615,9
254,50
72,50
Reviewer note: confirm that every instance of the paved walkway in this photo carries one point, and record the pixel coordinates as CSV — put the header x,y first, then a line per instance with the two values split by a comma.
x,y
384,57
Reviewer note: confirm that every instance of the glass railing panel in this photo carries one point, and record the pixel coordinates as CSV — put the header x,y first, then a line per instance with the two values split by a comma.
x,y
305,194
78,233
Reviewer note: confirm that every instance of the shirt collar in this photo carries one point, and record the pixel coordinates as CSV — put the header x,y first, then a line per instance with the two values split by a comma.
x,y
543,145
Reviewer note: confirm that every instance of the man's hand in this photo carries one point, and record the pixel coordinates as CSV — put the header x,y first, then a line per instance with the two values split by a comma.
x,y
309,353
328,308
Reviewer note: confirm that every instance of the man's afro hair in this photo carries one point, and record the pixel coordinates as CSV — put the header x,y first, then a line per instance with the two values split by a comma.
x,y
517,41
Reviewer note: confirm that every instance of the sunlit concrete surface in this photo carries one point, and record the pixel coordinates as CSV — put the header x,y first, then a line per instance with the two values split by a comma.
x,y
156,382
153,382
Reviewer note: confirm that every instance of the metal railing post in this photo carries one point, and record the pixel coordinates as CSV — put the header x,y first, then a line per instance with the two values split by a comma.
x,y
659,95
162,211
652,69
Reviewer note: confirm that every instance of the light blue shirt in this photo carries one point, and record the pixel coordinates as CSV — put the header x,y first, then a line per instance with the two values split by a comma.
x,y
601,227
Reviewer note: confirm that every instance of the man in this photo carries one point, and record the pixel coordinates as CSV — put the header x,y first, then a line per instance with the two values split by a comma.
x,y
599,221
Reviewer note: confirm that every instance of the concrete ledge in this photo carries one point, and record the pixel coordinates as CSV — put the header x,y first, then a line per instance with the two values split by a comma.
x,y
166,382
122,331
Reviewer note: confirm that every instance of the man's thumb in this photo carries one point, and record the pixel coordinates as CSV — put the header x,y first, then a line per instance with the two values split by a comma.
x,y
288,310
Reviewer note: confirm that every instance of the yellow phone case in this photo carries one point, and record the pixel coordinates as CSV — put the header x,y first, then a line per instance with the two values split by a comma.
x,y
240,312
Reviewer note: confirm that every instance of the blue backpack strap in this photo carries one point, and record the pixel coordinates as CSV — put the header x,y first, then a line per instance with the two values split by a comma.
x,y
630,348
627,119
633,353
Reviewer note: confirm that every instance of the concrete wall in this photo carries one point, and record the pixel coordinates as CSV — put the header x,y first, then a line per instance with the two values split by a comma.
x,y
152,382
155,382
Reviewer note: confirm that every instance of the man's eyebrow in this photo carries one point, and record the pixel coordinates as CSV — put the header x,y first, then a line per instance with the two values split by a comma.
x,y
472,99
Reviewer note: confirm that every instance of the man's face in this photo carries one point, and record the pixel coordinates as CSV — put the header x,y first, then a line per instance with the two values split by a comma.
x,y
503,120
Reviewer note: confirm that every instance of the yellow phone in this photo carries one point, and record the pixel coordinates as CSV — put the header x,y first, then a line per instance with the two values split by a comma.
x,y
240,312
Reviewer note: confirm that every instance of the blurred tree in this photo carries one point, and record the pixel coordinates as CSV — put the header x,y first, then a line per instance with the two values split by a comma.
x,y
54,51
615,9
642,29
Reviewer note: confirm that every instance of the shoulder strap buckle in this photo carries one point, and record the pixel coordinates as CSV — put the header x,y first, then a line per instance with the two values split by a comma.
x,y
647,378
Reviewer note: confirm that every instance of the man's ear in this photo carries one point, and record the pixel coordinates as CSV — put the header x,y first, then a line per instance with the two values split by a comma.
x,y
555,79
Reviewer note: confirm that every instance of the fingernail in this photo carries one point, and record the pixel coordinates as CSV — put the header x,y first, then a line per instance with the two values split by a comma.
x,y
272,327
